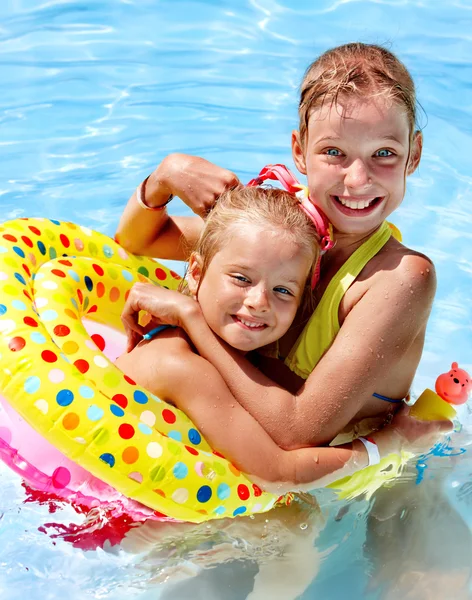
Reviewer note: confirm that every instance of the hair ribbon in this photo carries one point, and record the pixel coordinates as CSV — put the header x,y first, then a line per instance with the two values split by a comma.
x,y
317,217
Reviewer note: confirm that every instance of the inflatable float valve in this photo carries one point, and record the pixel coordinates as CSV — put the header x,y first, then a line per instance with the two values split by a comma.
x,y
452,388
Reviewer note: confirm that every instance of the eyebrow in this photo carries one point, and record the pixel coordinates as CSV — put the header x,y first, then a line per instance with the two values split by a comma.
x,y
330,138
249,269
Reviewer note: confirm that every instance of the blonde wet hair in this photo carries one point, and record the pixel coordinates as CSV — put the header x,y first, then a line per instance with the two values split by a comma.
x,y
358,71
266,207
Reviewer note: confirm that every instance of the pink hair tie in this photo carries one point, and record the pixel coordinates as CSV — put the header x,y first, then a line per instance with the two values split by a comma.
x,y
317,217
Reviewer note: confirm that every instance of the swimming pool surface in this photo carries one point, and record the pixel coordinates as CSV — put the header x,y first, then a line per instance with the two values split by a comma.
x,y
94,95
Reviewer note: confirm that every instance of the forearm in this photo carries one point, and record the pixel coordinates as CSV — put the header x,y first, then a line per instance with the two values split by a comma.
x,y
139,228
271,405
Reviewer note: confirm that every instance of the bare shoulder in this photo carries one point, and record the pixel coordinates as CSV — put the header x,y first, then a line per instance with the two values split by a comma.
x,y
402,266
158,364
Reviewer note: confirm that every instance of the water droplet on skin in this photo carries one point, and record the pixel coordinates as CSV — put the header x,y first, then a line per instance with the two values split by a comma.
x,y
401,282
427,270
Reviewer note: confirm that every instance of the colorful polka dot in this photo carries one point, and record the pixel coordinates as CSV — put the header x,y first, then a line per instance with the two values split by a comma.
x,y
239,511
48,356
168,416
16,344
160,274
95,413
37,338
148,418
32,384
70,421
86,392
154,450
180,470
140,397
121,400
70,347
117,410
143,428
204,494
108,458
158,473
82,365
194,437
130,455
98,341
64,397
243,491
126,431
56,376
180,496
223,491
61,478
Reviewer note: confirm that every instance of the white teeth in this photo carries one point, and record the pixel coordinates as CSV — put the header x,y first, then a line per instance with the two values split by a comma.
x,y
355,205
250,323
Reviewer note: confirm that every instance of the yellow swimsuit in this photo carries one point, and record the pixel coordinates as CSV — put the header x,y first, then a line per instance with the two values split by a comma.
x,y
316,339
323,325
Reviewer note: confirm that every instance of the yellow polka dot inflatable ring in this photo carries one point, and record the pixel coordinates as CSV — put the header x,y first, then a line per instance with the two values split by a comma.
x,y
70,421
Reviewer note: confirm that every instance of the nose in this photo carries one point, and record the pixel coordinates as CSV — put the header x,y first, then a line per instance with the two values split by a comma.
x,y
257,298
357,174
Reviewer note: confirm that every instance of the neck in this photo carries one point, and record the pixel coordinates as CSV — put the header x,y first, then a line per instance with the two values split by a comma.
x,y
346,244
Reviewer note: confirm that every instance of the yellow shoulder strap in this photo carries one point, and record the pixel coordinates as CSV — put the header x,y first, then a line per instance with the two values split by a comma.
x,y
323,325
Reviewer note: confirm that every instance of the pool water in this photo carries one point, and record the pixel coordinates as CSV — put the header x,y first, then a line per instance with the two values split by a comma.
x,y
94,95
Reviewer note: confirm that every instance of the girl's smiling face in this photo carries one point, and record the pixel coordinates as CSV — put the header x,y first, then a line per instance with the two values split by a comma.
x,y
356,157
253,285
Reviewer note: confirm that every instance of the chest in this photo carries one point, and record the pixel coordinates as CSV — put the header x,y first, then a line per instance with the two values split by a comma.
x,y
350,298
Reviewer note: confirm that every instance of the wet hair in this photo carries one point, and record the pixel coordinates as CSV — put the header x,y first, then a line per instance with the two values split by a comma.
x,y
266,207
359,71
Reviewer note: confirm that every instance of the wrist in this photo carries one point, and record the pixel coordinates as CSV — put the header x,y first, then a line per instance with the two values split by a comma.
x,y
388,441
372,450
190,314
156,193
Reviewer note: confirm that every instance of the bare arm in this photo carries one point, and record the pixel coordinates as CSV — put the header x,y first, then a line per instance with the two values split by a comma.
x,y
203,395
155,233
376,335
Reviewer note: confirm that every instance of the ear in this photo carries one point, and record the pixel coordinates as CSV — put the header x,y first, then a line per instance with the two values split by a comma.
x,y
194,273
415,154
298,154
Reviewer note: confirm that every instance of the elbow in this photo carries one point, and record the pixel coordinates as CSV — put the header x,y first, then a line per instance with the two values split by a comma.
x,y
130,245
291,431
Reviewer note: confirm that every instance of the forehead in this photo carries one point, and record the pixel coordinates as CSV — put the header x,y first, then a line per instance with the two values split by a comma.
x,y
373,118
258,246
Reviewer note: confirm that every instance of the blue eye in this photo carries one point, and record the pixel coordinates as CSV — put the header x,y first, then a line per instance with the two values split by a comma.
x,y
333,152
384,153
284,291
240,278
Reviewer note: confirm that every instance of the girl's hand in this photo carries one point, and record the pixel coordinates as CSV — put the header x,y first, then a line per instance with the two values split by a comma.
x,y
410,434
194,180
166,307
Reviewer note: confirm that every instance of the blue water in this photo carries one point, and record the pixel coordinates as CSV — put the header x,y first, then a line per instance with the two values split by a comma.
x,y
93,96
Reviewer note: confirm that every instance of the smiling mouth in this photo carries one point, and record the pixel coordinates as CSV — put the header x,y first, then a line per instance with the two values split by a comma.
x,y
359,205
251,325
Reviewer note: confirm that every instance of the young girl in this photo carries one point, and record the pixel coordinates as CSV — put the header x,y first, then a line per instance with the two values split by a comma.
x,y
350,363
249,275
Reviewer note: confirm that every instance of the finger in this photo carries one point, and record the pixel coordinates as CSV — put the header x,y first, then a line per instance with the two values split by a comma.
x,y
446,426
133,340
